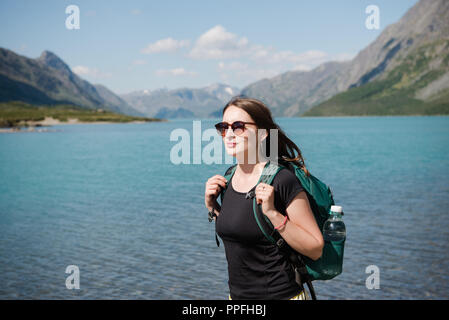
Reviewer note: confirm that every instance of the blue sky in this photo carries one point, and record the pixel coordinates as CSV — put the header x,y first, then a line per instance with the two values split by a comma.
x,y
135,45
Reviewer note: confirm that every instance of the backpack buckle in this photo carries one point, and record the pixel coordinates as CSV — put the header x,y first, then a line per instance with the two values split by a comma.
x,y
280,243
298,277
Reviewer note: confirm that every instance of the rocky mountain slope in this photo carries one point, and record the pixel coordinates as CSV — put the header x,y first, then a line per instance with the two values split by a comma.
x,y
422,29
412,78
48,80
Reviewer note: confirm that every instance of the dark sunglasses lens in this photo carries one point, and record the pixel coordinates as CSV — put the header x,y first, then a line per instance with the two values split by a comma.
x,y
238,127
221,127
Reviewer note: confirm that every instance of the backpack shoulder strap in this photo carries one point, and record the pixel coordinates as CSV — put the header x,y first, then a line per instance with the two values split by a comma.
x,y
269,172
228,176
230,171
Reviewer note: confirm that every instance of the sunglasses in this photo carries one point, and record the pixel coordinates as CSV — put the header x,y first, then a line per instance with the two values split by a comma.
x,y
238,127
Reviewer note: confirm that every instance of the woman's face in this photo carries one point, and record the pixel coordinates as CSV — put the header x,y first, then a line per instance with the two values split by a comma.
x,y
244,146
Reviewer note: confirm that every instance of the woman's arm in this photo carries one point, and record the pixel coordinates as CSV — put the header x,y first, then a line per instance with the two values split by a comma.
x,y
212,191
301,230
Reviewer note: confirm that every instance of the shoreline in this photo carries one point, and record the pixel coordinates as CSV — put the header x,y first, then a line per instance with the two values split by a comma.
x,y
378,116
30,126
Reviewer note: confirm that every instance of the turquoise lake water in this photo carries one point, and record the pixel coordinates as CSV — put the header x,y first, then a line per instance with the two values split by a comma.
x,y
106,198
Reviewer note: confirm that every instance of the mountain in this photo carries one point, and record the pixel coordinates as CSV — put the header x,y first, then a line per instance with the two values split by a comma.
x,y
417,33
296,91
412,77
182,103
166,113
116,104
49,80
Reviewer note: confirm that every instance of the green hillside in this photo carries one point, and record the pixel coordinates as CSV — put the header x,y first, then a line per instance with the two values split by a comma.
x,y
396,94
18,113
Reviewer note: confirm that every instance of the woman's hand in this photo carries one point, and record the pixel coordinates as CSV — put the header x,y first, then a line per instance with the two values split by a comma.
x,y
212,190
265,196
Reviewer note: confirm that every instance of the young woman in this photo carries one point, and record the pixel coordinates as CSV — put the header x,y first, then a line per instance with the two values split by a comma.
x,y
256,268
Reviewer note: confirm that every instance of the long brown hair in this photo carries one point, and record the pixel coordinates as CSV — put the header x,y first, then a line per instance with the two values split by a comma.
x,y
261,115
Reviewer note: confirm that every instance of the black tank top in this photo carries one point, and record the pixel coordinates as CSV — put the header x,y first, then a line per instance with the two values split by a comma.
x,y
256,268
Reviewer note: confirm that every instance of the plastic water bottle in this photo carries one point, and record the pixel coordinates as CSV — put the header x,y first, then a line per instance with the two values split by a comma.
x,y
334,235
334,228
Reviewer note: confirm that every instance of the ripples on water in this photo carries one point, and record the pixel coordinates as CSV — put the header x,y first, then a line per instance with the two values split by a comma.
x,y
107,199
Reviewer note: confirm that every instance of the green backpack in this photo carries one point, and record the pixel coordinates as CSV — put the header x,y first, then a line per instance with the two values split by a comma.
x,y
320,197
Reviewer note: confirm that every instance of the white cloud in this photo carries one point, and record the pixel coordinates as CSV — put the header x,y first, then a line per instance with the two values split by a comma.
x,y
240,61
217,43
303,60
165,45
308,57
176,72
234,65
136,12
301,67
80,70
244,73
90,72
260,52
344,56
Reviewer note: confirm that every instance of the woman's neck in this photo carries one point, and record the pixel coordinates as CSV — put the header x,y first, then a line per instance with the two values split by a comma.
x,y
250,169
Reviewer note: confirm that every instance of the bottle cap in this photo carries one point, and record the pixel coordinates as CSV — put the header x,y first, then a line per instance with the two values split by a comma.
x,y
337,209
